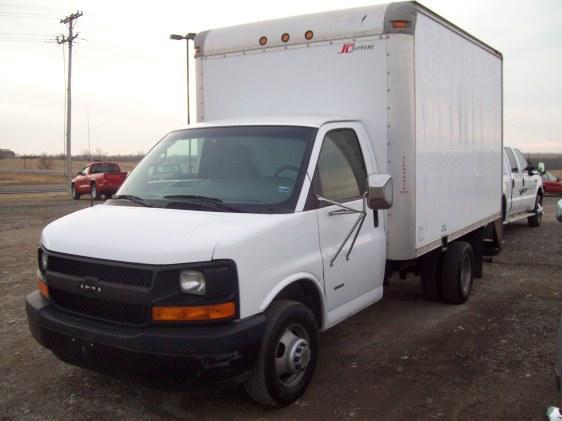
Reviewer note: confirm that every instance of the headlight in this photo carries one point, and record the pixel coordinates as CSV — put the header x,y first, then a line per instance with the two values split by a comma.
x,y
43,261
192,282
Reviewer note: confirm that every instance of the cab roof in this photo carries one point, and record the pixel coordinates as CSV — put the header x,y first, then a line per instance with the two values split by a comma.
x,y
315,121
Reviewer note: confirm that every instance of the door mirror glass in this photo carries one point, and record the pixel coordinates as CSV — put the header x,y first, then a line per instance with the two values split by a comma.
x,y
541,168
380,192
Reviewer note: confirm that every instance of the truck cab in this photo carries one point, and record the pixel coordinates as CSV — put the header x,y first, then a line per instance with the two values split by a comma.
x,y
523,190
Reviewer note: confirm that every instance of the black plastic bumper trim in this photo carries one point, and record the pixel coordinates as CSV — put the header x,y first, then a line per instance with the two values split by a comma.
x,y
213,352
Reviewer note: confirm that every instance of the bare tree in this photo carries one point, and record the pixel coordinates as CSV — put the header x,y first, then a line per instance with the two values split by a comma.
x,y
45,162
99,155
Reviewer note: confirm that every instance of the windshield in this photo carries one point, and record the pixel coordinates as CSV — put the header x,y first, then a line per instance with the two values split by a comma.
x,y
245,168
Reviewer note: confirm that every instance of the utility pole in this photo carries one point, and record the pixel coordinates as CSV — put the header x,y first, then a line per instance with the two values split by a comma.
x,y
70,22
187,37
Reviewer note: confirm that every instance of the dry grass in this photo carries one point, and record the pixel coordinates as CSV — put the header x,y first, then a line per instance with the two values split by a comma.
x,y
14,178
21,179
22,198
58,164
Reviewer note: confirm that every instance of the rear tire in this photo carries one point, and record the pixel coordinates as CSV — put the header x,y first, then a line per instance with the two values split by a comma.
x,y
457,272
287,356
536,219
94,192
75,195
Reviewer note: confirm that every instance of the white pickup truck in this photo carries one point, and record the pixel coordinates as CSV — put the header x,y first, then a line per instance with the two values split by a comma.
x,y
331,150
523,190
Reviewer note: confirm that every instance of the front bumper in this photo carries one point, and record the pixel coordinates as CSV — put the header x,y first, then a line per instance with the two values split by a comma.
x,y
197,353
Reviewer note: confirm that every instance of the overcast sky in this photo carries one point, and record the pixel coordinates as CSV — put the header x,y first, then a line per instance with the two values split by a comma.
x,y
129,77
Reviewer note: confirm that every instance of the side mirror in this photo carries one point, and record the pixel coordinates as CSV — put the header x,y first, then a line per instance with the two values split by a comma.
x,y
541,167
532,170
80,173
380,193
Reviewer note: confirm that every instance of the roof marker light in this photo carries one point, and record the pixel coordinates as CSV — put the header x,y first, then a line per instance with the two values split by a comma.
x,y
400,24
285,37
263,41
308,35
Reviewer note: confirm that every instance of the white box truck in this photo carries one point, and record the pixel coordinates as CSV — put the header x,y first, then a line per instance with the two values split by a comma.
x,y
331,150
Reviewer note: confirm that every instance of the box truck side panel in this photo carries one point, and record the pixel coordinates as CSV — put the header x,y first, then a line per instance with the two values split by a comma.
x,y
345,78
458,133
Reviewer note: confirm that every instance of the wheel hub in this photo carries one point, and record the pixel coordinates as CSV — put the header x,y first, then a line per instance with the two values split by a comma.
x,y
299,356
293,355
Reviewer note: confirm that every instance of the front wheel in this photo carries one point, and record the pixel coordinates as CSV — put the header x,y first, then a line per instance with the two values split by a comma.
x,y
74,193
288,355
536,219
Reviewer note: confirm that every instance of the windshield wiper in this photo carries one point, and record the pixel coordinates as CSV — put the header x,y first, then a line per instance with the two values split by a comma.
x,y
210,202
134,199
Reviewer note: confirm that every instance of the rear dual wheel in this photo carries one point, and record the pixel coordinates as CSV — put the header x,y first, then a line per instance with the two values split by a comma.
x,y
448,275
457,272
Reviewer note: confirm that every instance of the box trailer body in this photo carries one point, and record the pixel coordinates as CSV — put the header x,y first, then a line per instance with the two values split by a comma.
x,y
429,96
330,151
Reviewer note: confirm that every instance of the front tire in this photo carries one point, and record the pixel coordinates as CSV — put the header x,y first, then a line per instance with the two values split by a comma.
x,y
457,272
74,193
536,219
288,355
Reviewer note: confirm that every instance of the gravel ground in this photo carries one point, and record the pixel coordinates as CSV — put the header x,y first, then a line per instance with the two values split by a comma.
x,y
403,358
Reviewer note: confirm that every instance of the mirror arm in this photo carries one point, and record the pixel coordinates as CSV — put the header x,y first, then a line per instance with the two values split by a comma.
x,y
361,220
331,202
356,228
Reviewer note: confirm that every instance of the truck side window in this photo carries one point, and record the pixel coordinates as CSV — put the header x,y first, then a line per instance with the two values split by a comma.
x,y
511,159
341,174
522,160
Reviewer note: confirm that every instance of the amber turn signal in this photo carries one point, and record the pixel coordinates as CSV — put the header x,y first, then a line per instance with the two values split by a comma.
x,y
43,288
191,313
263,41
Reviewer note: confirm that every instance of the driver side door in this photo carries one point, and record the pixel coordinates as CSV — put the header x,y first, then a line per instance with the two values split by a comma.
x,y
353,277
81,183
